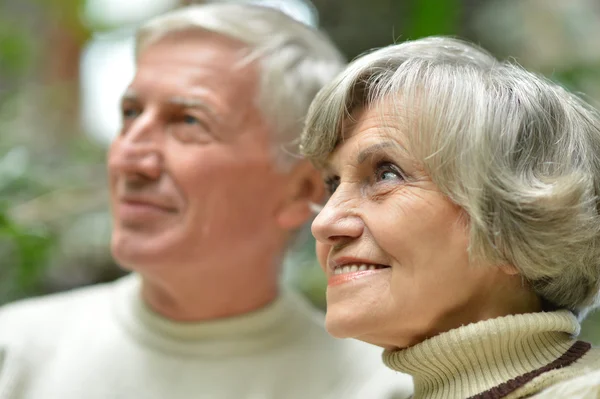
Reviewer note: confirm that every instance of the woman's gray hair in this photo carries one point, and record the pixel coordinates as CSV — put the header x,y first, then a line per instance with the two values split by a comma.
x,y
295,60
518,153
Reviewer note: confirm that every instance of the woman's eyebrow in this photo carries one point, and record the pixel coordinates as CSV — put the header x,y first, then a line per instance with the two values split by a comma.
x,y
372,149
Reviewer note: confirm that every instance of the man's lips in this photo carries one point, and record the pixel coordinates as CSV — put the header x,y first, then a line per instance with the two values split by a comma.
x,y
137,210
147,204
152,201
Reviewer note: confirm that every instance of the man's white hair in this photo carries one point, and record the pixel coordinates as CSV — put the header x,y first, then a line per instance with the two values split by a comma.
x,y
295,60
517,152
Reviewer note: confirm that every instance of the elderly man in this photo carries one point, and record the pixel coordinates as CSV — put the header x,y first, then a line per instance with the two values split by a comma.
x,y
205,200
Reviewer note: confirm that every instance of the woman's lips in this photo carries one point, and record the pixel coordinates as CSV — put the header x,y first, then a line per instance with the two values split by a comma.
x,y
347,273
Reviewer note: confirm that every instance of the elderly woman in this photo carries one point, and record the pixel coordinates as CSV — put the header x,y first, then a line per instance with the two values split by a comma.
x,y
462,232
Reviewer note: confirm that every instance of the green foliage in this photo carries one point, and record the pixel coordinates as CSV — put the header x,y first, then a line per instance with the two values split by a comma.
x,y
28,250
25,249
434,17
15,48
34,163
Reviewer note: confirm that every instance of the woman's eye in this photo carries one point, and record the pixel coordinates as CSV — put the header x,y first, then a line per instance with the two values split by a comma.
x,y
387,171
331,184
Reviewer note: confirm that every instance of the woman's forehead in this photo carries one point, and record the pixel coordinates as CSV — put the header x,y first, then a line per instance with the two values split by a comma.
x,y
383,115
373,125
366,137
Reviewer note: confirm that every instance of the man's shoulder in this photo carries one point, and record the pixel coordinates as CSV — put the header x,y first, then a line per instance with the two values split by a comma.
x,y
47,313
378,381
310,327
357,367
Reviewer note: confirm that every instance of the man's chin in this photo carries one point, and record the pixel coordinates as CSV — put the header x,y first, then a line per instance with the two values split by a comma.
x,y
136,254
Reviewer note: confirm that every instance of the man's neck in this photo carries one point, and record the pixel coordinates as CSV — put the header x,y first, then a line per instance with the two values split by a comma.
x,y
209,298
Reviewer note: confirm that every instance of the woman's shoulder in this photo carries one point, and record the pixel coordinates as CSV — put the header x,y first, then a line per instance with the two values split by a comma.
x,y
584,383
586,386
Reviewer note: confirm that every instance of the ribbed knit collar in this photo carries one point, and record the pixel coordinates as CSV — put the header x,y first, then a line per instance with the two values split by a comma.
x,y
477,357
252,332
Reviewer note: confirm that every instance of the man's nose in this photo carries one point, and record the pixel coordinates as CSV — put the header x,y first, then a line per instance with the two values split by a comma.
x,y
138,149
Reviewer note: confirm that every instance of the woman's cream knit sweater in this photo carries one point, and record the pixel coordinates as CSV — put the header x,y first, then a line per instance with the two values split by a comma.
x,y
530,355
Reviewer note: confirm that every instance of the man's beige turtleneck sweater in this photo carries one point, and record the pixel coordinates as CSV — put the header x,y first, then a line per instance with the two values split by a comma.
x,y
104,343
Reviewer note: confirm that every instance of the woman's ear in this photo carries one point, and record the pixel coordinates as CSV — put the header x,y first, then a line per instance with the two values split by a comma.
x,y
509,269
305,187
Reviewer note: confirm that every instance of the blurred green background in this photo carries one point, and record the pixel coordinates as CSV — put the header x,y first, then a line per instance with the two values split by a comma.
x,y
63,64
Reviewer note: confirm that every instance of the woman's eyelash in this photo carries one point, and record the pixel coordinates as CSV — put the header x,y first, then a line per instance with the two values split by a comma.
x,y
385,170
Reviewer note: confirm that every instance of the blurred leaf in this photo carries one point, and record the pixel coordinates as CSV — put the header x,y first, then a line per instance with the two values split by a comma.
x,y
15,48
30,248
434,17
13,165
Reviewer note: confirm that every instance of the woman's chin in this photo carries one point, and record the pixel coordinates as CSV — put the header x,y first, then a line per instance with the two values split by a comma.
x,y
337,330
353,329
343,324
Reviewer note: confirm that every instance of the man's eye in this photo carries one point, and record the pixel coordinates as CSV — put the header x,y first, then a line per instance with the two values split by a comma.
x,y
190,129
129,113
190,120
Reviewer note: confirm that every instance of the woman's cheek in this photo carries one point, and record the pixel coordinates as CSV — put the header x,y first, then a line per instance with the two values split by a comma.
x,y
322,252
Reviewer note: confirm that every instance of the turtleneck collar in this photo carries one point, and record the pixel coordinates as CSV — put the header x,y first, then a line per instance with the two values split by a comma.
x,y
248,333
478,357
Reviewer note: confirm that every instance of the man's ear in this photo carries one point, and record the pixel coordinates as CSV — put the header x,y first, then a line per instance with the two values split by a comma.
x,y
305,187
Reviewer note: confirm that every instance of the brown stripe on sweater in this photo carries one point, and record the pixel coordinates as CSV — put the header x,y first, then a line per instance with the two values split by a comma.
x,y
575,352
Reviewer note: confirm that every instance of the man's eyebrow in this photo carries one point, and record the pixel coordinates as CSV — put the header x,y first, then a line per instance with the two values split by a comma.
x,y
185,102
190,102
129,95
372,149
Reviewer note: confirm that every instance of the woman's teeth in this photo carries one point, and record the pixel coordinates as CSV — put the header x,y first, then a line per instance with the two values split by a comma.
x,y
356,268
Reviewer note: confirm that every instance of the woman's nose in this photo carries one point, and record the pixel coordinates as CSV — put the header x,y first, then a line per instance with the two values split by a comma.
x,y
337,221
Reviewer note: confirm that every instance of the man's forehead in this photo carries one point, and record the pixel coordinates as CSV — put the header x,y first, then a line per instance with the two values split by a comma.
x,y
190,87
203,41
194,56
185,100
200,68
